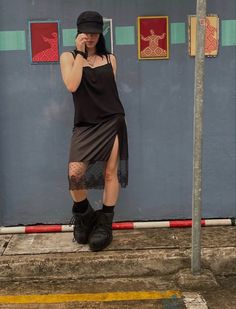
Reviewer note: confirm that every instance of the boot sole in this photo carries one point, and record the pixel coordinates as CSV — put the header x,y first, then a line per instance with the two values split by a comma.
x,y
94,249
81,242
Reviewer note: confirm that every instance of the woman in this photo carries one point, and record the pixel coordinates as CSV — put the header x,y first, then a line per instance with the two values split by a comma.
x,y
99,149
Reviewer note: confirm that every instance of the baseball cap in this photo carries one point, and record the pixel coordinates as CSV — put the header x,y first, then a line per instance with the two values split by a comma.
x,y
90,22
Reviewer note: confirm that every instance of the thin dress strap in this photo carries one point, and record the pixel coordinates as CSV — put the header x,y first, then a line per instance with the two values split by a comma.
x,y
108,58
73,53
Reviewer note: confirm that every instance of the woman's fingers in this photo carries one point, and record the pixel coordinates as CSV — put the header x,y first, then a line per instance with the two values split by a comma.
x,y
80,41
82,37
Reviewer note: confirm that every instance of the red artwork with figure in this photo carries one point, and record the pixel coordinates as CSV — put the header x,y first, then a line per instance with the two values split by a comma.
x,y
153,37
211,35
44,41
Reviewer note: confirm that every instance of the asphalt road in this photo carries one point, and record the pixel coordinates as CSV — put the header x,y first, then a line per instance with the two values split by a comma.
x,y
121,293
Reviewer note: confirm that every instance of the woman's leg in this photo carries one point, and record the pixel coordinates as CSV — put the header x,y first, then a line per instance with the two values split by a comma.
x,y
101,235
111,190
76,172
83,213
78,195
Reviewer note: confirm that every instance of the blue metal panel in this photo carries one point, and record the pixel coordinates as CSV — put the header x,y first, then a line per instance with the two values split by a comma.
x,y
36,116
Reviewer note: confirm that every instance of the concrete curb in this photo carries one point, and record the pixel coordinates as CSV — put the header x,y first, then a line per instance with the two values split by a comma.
x,y
205,280
93,265
113,264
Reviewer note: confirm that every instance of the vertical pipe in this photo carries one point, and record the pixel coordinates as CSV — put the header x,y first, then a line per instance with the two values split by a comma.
x,y
197,144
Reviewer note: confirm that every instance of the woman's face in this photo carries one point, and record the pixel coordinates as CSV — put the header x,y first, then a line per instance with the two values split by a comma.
x,y
92,39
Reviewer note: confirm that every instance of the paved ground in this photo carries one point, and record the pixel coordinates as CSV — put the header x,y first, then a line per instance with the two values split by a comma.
x,y
125,293
148,267
222,297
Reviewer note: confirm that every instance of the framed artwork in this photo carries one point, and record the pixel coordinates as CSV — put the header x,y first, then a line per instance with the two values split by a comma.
x,y
107,32
211,35
153,37
44,41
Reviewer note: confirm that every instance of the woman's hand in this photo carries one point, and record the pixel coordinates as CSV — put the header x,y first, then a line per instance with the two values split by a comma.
x,y
80,41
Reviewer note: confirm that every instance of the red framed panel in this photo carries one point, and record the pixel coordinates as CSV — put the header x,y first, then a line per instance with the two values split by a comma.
x,y
44,41
153,37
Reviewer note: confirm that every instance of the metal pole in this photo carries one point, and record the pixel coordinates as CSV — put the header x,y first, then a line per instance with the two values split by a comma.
x,y
197,148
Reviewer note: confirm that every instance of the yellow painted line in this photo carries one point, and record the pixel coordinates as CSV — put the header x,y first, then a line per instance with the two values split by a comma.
x,y
88,297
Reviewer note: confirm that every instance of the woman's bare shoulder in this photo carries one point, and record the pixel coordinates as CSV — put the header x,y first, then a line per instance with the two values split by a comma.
x,y
112,57
66,56
113,62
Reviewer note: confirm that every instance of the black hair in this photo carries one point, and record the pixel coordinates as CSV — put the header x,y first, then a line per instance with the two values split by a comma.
x,y
101,49
101,46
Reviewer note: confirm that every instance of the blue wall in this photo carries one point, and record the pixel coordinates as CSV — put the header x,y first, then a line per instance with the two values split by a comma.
x,y
36,115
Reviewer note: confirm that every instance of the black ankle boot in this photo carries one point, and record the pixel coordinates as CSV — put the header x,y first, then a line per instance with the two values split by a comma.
x,y
83,224
101,235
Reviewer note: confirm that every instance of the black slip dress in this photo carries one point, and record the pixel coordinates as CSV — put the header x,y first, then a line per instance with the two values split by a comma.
x,y
99,117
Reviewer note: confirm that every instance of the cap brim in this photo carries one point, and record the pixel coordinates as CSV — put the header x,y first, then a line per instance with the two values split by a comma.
x,y
86,28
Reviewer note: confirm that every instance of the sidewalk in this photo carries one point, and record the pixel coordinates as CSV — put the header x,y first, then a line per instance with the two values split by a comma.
x,y
132,254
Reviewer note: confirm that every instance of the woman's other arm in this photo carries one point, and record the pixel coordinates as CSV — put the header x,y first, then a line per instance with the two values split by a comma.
x,y
113,63
71,70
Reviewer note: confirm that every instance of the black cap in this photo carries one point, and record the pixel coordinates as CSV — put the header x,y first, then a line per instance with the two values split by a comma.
x,y
90,22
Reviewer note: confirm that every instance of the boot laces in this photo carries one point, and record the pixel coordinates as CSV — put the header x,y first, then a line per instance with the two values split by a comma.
x,y
72,221
77,221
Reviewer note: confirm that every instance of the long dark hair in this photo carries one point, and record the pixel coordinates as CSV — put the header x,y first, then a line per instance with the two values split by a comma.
x,y
101,49
101,46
